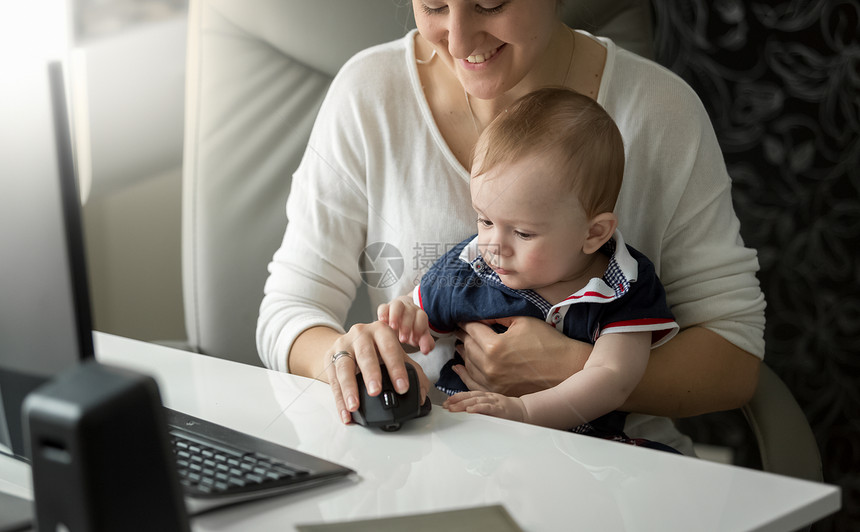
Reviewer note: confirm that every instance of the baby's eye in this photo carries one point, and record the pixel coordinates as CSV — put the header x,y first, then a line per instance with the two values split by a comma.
x,y
524,236
484,222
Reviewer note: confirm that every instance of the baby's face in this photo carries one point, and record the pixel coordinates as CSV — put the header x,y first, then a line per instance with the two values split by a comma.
x,y
531,230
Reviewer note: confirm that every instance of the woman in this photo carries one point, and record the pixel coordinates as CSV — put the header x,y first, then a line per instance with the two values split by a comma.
x,y
388,162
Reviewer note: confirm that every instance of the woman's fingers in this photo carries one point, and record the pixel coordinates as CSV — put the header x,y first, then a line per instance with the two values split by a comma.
x,y
392,354
361,350
343,382
423,381
467,379
339,402
364,347
521,360
472,354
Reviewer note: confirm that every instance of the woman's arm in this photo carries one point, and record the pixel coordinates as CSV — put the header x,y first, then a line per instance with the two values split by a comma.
x,y
306,356
697,371
315,273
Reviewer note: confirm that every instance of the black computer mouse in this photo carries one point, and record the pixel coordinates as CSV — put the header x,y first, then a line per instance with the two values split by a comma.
x,y
389,409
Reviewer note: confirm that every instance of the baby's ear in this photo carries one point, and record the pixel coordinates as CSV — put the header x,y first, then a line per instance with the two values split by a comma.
x,y
600,230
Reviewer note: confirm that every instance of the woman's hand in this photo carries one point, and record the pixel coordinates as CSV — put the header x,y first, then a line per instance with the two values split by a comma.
x,y
530,356
365,346
696,372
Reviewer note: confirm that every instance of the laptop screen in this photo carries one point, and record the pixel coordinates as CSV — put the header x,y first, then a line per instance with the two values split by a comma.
x,y
45,324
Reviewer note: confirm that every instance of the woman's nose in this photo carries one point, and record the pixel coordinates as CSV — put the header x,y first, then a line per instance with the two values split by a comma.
x,y
463,32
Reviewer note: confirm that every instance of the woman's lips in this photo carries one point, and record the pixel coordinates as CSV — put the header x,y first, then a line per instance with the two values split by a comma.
x,y
481,58
478,61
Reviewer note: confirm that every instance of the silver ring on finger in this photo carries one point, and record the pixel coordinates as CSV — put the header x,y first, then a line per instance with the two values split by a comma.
x,y
340,354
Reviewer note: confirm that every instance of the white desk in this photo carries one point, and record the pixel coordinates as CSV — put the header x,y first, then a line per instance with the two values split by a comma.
x,y
547,479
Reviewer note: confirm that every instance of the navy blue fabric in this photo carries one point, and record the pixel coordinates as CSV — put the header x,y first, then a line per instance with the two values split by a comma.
x,y
452,291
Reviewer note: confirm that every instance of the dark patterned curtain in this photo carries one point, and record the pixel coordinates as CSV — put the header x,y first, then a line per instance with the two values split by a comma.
x,y
780,80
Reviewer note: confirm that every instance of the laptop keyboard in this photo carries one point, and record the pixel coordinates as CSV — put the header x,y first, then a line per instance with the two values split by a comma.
x,y
207,468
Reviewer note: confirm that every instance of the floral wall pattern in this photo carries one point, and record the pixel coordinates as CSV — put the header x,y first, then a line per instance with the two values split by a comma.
x,y
781,81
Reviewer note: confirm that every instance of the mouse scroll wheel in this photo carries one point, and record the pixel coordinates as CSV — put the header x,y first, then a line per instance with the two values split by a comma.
x,y
389,400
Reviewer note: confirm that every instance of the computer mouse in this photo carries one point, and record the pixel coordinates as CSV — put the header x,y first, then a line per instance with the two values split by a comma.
x,y
389,409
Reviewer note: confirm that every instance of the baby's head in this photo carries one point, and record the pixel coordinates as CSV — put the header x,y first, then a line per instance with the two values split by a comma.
x,y
545,178
569,130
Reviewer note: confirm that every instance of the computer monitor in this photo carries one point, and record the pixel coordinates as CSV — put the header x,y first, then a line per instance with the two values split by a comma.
x,y
45,323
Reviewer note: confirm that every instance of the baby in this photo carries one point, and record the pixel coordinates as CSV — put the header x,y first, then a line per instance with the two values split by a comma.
x,y
545,178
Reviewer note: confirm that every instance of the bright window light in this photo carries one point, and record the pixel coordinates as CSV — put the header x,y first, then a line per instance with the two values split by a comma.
x,y
34,30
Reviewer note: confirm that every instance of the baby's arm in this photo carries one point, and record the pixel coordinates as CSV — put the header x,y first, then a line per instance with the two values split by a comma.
x,y
407,318
613,370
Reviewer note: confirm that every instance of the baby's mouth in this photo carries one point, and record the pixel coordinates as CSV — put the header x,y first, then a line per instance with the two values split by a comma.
x,y
496,267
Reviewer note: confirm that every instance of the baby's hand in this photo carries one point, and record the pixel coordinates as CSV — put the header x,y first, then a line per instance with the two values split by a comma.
x,y
491,404
411,323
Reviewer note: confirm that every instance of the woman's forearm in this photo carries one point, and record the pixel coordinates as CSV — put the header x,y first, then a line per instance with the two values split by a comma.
x,y
307,356
696,372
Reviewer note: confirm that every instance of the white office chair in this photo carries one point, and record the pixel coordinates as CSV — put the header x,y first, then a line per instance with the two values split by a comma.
x,y
257,72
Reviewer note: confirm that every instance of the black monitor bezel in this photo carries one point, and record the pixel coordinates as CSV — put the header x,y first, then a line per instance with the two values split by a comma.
x,y
15,386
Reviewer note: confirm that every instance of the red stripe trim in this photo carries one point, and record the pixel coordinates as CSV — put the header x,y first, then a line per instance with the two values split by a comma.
x,y
439,330
590,294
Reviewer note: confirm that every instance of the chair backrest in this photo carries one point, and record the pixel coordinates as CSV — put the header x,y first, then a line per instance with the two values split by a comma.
x,y
257,71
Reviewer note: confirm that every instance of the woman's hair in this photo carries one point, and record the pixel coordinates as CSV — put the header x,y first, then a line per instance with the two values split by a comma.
x,y
567,126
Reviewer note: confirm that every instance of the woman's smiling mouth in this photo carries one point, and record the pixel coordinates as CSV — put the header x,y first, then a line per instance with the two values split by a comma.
x,y
481,58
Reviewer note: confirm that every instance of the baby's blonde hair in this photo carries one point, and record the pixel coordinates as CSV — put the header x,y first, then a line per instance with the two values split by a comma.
x,y
567,126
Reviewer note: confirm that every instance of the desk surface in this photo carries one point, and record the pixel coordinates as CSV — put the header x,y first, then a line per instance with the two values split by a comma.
x,y
547,479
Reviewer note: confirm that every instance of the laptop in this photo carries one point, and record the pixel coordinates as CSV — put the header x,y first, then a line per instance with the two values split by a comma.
x,y
45,318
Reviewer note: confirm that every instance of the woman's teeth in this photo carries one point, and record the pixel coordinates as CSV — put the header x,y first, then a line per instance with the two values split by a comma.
x,y
480,58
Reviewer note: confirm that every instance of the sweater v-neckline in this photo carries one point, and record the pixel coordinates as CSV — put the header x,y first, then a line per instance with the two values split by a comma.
x,y
427,112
